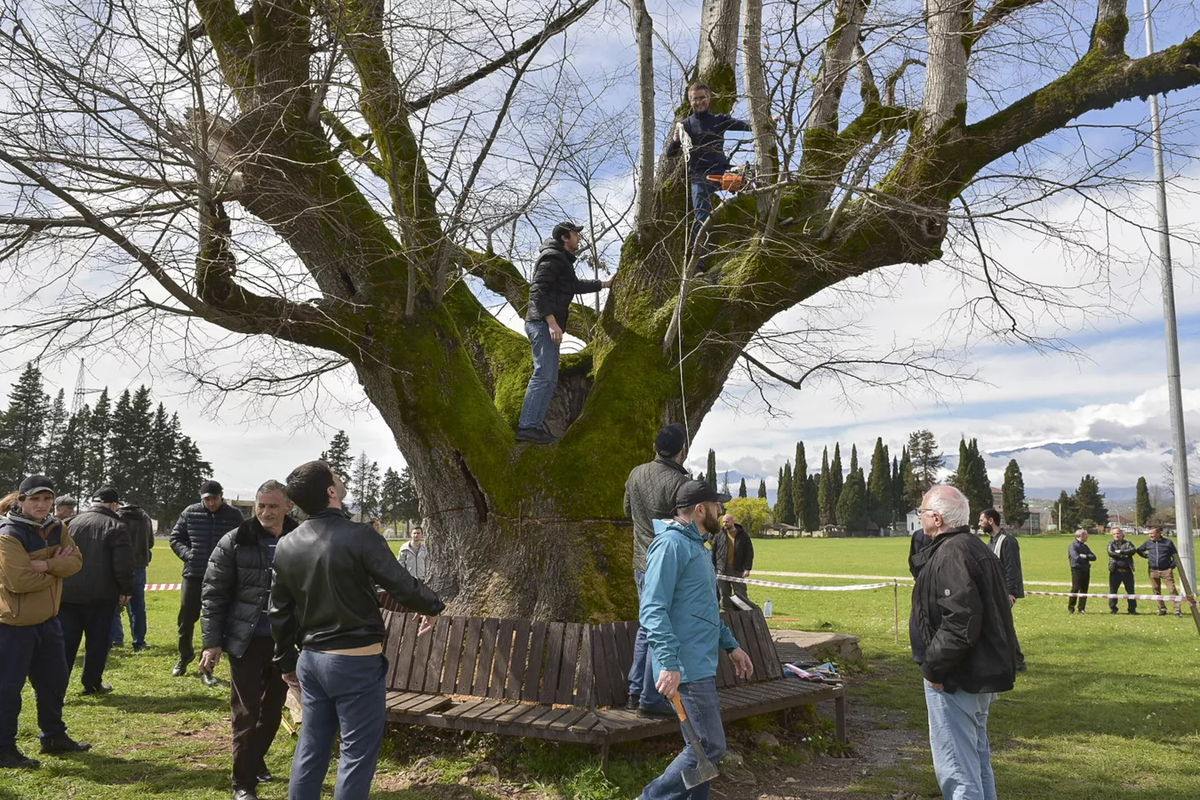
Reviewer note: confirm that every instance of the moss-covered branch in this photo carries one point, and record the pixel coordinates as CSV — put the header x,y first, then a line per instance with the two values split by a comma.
x,y
230,37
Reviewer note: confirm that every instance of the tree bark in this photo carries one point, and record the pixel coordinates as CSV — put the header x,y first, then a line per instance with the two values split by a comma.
x,y
945,98
643,29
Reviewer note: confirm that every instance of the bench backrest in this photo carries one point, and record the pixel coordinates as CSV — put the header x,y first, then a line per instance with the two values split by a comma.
x,y
561,663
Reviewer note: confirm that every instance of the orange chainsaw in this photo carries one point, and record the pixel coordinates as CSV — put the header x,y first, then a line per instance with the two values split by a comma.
x,y
736,179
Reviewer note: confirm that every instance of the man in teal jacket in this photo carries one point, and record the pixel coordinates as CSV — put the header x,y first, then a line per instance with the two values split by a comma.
x,y
683,625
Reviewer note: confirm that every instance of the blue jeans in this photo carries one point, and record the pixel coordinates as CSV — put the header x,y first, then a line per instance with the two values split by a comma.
x,y
962,754
346,694
641,674
544,380
137,613
703,708
702,193
33,652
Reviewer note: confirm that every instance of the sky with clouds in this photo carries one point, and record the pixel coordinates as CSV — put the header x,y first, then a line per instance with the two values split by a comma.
x,y
1104,381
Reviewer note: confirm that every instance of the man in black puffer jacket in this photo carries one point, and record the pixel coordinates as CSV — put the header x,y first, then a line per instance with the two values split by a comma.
x,y
92,596
200,527
235,597
553,287
961,610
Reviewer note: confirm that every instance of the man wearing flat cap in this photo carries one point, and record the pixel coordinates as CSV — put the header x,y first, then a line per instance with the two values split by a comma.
x,y
683,625
650,495
92,595
200,527
65,507
551,290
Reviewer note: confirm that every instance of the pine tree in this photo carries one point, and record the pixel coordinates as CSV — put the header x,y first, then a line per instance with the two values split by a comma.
x,y
742,488
852,504
1143,508
141,491
1016,510
125,440
1089,502
762,488
710,476
96,438
369,493
1062,513
389,498
836,478
410,502
74,452
56,429
910,485
812,504
725,483
156,498
338,456
879,487
926,461
21,428
360,473
786,503
800,487
187,471
971,478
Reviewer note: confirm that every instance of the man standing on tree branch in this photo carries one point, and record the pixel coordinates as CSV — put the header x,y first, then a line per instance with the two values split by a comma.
x,y
683,625
553,287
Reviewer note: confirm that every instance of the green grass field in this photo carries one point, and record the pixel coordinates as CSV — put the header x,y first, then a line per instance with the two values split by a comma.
x,y
1108,709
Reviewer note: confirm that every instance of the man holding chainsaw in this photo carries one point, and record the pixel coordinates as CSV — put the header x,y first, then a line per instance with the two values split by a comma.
x,y
683,626
706,151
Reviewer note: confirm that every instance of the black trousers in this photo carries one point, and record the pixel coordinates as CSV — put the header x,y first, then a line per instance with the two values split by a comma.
x,y
728,588
92,623
1115,581
256,696
33,652
1080,578
189,615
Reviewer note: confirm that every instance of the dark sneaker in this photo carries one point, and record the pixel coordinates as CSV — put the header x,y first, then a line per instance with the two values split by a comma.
x,y
1113,610
103,688
534,435
1070,611
180,668
1162,612
660,710
1179,613
1081,611
12,758
1021,667
265,776
244,794
209,679
61,743
632,703
1132,611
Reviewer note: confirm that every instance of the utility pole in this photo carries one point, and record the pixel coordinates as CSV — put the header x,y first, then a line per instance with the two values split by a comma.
x,y
1183,511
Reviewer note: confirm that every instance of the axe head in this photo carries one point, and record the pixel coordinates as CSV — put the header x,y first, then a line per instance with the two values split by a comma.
x,y
704,772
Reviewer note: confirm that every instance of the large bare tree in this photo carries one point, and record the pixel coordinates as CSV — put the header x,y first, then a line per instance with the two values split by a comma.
x,y
348,184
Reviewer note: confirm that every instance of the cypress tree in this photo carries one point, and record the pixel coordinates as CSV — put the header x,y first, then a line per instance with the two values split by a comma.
x,y
853,458
836,477
800,486
1062,513
812,504
1016,510
983,484
879,487
826,497
1143,508
742,488
762,488
786,503
896,496
852,504
710,476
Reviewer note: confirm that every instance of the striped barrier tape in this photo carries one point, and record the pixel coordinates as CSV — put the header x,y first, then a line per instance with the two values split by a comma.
x,y
1164,598
163,587
855,588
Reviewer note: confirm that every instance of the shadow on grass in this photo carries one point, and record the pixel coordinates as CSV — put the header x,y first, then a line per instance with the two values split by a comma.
x,y
134,704
154,777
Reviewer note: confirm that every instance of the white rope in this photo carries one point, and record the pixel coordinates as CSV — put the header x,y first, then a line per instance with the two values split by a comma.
x,y
685,142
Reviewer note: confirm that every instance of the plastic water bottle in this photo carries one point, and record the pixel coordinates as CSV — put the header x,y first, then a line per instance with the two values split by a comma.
x,y
767,608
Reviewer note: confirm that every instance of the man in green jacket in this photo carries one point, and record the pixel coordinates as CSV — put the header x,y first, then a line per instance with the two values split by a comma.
x,y
683,625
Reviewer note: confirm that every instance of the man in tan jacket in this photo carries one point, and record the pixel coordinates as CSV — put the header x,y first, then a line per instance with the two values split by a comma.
x,y
36,553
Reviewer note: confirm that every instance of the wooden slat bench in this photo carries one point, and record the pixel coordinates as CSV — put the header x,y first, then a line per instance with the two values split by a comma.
x,y
563,681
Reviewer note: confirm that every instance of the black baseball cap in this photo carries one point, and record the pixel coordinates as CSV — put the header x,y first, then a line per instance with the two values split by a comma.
x,y
670,440
693,493
563,228
34,484
211,489
106,494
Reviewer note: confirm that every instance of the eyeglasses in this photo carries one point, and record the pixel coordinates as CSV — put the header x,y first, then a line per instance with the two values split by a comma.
x,y
922,511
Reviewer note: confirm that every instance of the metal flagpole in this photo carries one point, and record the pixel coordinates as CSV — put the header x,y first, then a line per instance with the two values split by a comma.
x,y
1183,512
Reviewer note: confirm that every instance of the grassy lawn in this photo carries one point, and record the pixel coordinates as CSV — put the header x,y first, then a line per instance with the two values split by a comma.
x,y
1108,709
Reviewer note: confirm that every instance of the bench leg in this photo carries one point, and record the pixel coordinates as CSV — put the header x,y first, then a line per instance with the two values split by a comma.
x,y
604,759
839,715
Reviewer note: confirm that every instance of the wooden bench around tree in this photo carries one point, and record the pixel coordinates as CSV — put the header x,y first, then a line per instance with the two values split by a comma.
x,y
563,681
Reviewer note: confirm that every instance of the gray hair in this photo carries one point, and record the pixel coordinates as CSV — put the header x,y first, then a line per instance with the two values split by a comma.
x,y
271,486
951,504
1081,532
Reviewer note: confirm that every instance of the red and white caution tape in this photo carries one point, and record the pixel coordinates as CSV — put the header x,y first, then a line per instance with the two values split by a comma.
x,y
163,587
855,588
1164,598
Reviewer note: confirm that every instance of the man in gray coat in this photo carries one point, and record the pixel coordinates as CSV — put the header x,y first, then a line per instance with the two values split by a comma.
x,y
650,495
1005,546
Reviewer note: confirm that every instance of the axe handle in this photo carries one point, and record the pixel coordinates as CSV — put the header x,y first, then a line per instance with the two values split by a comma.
x,y
677,701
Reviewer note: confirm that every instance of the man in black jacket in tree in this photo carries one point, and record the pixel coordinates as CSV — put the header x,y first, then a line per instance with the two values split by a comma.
x,y
92,595
235,599
1120,569
961,610
329,631
141,538
200,527
553,286
733,555
1080,557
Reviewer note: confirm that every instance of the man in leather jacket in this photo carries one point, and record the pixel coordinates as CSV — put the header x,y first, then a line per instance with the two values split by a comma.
x,y
329,631
233,619
1120,569
961,610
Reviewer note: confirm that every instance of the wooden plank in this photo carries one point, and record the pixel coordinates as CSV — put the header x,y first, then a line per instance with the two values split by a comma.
x,y
625,638
503,657
437,655
618,675
405,656
774,663
514,712
751,644
544,720
495,713
449,678
600,665
570,663
532,711
466,670
554,647
520,657
487,652
530,684
464,707
394,634
480,710
584,694
567,720
396,699
763,651
420,665
725,673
